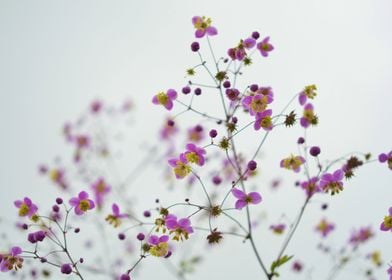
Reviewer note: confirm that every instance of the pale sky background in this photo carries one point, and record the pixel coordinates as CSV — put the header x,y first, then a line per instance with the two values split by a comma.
x,y
57,56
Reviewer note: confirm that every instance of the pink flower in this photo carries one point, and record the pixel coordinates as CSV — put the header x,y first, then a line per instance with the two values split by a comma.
x,y
325,227
26,207
278,229
386,225
309,117
264,120
180,227
81,203
361,235
245,199
195,154
116,216
100,189
332,182
239,52
181,168
389,271
165,99
311,186
265,47
12,260
292,163
203,26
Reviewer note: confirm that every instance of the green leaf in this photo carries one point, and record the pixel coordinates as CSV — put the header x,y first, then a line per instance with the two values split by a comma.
x,y
280,262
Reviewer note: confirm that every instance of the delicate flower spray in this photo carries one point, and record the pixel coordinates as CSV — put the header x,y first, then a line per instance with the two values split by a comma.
x,y
223,190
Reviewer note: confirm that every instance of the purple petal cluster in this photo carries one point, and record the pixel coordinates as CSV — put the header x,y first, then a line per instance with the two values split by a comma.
x,y
81,203
243,199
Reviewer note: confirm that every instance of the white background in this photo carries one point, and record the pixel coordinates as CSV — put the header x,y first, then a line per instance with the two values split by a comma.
x,y
56,56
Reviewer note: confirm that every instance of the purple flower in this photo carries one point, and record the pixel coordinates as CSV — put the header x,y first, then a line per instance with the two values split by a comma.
x,y
361,235
100,189
180,227
244,199
158,245
264,120
265,47
81,203
203,26
308,92
195,154
332,182
292,163
386,158
278,229
257,102
325,227
165,99
309,117
389,271
12,260
311,186
196,133
26,207
239,52
181,167
35,237
386,225
116,216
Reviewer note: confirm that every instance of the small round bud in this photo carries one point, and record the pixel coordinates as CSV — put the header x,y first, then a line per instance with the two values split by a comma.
x,y
226,84
157,200
213,133
25,226
324,206
186,199
147,214
55,208
314,151
81,260
255,35
140,236
125,277
170,123
43,260
301,140
199,128
216,180
197,91
234,119
121,236
186,90
252,165
254,87
77,230
59,200
195,46
66,268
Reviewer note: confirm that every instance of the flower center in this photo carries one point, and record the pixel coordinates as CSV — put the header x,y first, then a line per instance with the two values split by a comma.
x,y
388,222
192,157
162,98
23,210
182,169
84,205
266,122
